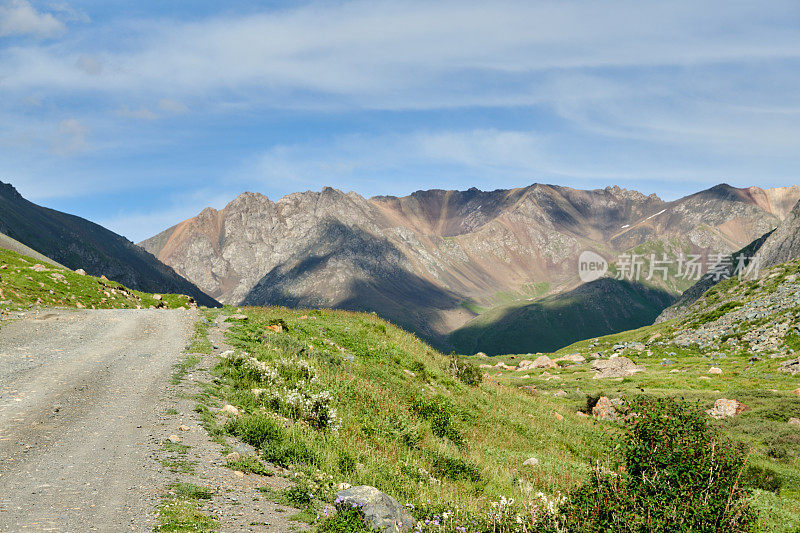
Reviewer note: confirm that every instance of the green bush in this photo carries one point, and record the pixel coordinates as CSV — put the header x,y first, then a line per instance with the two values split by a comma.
x,y
439,412
455,469
465,371
678,475
762,478
346,520
256,430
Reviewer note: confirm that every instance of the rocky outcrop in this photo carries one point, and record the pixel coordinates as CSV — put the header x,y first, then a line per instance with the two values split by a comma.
x,y
725,408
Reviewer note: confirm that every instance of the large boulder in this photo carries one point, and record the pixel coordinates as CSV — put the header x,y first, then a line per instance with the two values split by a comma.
x,y
381,511
606,408
725,408
617,367
540,362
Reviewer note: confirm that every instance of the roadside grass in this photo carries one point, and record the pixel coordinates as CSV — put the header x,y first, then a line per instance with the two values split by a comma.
x,y
396,418
199,345
26,282
180,511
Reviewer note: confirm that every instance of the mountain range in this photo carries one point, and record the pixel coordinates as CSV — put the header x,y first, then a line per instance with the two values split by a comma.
x,y
463,269
78,243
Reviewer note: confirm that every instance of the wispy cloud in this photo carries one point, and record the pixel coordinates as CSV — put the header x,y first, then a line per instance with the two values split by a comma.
x,y
20,18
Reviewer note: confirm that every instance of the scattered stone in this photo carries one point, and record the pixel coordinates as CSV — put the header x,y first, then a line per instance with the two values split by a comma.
x,y
275,328
410,373
605,408
343,486
581,414
618,367
543,362
233,457
480,354
531,389
238,317
725,408
667,362
560,394
381,511
228,408
796,392
174,439
533,461
715,370
39,268
559,417
791,366
238,473
183,427
80,272
794,421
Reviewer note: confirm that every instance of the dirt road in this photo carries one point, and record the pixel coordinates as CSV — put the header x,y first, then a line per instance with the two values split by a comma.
x,y
80,404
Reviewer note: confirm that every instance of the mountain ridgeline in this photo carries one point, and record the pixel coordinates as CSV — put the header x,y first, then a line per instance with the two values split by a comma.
x,y
453,265
78,243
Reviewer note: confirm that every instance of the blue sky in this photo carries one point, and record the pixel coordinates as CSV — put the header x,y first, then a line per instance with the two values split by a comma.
x,y
139,114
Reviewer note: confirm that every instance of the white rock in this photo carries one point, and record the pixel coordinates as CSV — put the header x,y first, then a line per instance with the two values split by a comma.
x,y
533,461
228,408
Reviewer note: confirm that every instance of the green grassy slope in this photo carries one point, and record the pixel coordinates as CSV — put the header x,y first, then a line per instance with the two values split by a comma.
x,y
596,308
730,328
78,243
25,281
406,425
403,422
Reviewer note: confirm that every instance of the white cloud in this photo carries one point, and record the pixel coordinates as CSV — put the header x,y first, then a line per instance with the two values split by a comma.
x,y
19,17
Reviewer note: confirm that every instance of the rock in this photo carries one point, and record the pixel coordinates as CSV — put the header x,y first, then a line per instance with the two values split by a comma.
x,y
796,392
39,268
233,457
715,370
573,358
480,354
794,421
530,389
504,366
791,366
667,362
381,511
174,439
543,362
581,414
559,417
725,408
157,297
618,367
231,410
183,428
238,317
342,486
560,394
80,272
605,408
532,461
275,328
485,366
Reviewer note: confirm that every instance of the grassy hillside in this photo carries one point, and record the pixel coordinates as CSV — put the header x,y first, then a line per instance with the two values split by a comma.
x,y
380,407
747,329
25,281
341,397
78,243
596,308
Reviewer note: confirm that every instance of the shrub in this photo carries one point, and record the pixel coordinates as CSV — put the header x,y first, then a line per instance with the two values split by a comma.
x,y
455,469
347,519
256,430
465,371
762,478
679,475
439,412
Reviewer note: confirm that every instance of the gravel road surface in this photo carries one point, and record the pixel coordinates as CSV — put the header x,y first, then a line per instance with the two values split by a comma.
x,y
80,403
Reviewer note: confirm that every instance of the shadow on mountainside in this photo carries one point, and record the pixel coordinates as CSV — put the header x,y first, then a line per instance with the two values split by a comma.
x,y
593,309
348,268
